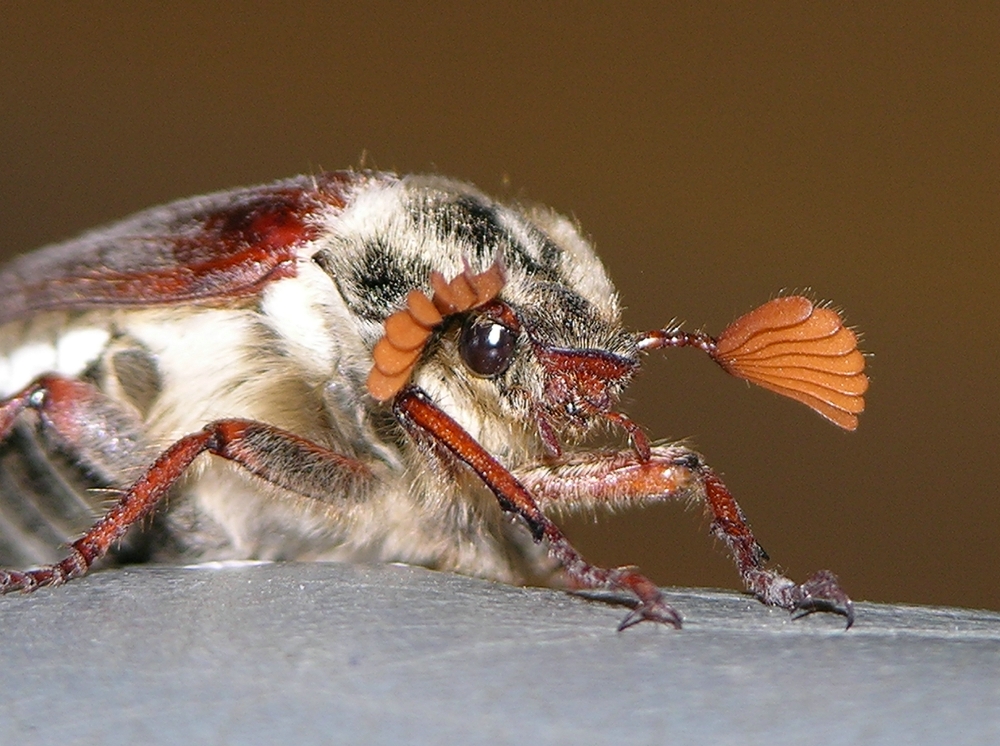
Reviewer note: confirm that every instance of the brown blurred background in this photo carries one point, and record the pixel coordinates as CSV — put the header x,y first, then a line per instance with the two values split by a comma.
x,y
715,156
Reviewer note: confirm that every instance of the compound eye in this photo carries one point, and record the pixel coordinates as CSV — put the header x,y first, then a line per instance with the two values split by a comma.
x,y
486,347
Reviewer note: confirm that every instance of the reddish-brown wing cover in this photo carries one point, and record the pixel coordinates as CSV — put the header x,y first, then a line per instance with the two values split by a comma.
x,y
214,248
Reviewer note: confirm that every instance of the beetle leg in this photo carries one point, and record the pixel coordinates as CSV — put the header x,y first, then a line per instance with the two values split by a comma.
x,y
672,472
421,416
102,434
275,455
821,592
615,478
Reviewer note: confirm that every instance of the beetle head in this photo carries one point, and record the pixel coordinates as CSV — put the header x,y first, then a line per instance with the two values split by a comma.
x,y
547,354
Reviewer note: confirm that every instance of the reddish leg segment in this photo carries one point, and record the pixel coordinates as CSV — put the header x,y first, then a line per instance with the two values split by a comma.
x,y
821,592
672,472
104,435
414,408
278,456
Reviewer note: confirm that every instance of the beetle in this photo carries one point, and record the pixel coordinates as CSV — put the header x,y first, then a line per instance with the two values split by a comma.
x,y
382,368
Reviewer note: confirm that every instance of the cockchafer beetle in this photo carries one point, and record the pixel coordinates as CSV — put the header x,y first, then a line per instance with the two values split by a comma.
x,y
382,368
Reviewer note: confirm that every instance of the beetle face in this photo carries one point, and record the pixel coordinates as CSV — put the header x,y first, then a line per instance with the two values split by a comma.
x,y
583,358
537,371
582,384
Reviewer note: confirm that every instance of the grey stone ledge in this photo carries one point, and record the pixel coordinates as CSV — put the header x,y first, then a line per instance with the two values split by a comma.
x,y
327,653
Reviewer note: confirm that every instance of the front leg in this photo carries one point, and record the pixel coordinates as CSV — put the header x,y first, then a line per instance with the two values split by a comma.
x,y
426,421
615,479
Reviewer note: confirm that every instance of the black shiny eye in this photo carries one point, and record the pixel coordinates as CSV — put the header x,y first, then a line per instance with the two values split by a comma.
x,y
486,347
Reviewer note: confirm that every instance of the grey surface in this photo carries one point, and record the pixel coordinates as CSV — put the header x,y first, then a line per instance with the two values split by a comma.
x,y
323,653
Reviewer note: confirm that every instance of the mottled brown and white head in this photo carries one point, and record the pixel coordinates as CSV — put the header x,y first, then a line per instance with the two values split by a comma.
x,y
547,353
